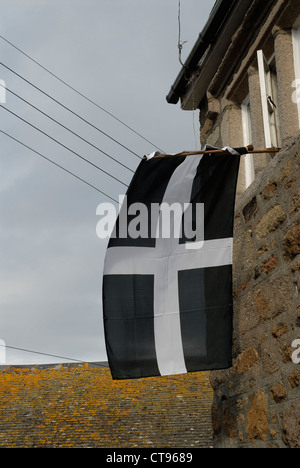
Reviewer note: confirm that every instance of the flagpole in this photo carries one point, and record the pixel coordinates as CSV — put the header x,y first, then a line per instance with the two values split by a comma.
x,y
248,150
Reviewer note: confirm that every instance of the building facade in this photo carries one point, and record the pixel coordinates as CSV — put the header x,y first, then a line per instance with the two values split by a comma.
x,y
244,76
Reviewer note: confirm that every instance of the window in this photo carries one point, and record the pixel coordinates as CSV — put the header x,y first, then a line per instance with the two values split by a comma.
x,y
247,137
296,83
268,90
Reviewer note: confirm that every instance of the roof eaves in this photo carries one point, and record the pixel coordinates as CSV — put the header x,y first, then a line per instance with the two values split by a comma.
x,y
222,12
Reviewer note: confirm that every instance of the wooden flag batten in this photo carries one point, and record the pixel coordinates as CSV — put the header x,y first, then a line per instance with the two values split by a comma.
x,y
248,150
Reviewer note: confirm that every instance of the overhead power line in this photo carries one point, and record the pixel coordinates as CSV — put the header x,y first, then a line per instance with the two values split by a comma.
x,y
94,364
66,128
80,93
70,110
63,145
58,165
47,354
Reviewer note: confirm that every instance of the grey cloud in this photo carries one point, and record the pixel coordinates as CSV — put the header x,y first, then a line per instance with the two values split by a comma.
x,y
123,54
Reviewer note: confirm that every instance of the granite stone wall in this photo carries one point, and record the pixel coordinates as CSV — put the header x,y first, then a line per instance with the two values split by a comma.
x,y
257,402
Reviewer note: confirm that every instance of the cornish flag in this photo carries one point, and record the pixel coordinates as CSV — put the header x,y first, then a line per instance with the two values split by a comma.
x,y
167,284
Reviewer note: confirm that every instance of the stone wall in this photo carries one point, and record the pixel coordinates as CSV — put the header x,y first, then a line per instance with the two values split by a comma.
x,y
257,402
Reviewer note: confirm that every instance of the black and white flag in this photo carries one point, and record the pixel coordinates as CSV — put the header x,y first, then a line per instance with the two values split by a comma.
x,y
167,285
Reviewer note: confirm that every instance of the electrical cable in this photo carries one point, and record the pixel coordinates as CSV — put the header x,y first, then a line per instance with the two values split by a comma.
x,y
58,165
63,145
80,94
69,110
66,128
180,43
47,354
95,364
180,47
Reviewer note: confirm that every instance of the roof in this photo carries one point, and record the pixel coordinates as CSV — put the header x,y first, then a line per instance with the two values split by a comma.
x,y
209,50
81,406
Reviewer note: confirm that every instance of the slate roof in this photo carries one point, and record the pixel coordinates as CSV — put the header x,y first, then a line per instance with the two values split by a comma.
x,y
81,406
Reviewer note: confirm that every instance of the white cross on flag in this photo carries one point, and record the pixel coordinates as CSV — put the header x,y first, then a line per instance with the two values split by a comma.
x,y
167,285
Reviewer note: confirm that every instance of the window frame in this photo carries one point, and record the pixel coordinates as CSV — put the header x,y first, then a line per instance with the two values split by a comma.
x,y
269,101
296,51
247,140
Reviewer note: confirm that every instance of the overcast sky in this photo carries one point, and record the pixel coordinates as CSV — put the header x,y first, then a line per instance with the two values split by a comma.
x,y
123,55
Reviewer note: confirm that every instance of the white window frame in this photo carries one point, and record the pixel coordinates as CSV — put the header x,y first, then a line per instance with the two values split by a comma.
x,y
296,50
247,139
268,90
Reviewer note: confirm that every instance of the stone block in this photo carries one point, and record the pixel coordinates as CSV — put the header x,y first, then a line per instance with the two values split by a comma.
x,y
286,353
291,426
246,360
250,209
270,190
280,330
295,203
257,420
295,265
216,420
244,255
274,298
270,221
278,393
247,316
291,242
294,379
286,171
269,362
229,423
269,265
